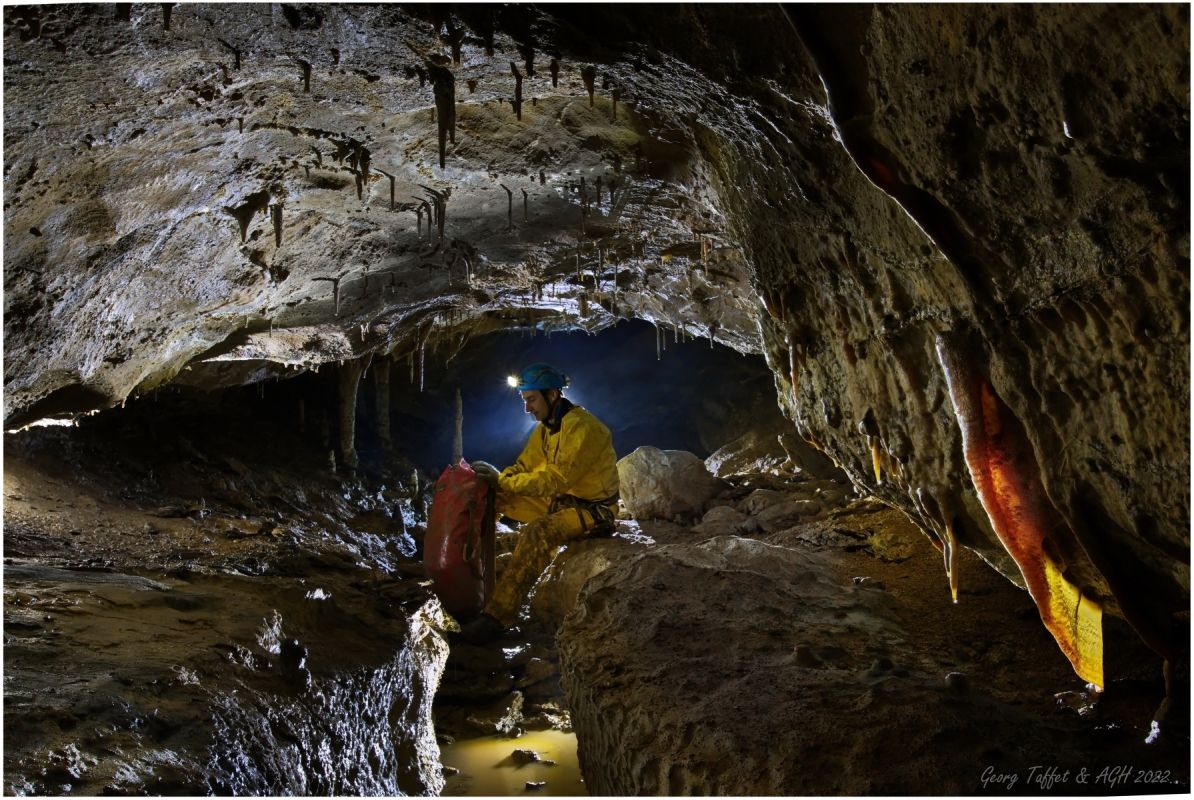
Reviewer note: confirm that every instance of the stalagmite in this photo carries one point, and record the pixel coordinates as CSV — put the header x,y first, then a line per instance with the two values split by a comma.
x,y
588,74
349,381
381,402
458,432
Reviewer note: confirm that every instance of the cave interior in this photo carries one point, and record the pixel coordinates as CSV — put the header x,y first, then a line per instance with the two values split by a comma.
x,y
910,283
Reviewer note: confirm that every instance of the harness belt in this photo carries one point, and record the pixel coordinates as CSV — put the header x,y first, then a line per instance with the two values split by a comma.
x,y
602,511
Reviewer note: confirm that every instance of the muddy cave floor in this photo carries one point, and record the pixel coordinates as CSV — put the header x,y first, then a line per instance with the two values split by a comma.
x,y
160,492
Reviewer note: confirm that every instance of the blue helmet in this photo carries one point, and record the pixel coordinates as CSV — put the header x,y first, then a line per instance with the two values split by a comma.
x,y
539,377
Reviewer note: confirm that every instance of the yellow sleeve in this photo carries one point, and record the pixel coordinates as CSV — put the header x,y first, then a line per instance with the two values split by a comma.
x,y
581,439
530,457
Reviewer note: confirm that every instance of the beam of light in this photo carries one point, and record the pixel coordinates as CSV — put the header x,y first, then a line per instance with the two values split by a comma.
x,y
48,422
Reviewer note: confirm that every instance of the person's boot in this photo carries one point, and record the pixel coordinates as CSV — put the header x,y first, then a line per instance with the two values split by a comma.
x,y
481,630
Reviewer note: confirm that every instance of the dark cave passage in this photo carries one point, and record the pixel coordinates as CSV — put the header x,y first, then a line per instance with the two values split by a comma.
x,y
692,396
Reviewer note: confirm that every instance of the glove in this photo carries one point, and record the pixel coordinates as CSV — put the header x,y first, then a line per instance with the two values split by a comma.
x,y
486,472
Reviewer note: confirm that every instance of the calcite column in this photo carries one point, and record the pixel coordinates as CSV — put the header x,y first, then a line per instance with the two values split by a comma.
x,y
350,380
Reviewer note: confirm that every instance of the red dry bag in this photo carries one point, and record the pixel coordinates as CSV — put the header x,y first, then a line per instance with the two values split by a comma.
x,y
458,551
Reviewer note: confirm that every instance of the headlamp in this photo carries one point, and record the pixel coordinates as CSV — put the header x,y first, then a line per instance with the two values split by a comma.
x,y
512,381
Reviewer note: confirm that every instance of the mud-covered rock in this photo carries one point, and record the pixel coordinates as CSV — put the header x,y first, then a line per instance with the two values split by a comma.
x,y
555,594
720,521
807,667
753,452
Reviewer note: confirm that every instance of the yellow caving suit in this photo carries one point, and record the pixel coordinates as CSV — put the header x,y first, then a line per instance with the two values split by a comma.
x,y
541,489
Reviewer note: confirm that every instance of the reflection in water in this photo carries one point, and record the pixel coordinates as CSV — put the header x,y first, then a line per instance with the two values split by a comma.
x,y
487,767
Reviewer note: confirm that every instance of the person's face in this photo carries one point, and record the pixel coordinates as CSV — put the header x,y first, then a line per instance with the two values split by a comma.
x,y
536,404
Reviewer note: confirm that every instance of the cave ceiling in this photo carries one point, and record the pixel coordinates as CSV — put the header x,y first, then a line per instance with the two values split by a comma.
x,y
958,235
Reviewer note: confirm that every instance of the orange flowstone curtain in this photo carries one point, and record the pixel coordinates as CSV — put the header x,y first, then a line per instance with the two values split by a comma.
x,y
1004,473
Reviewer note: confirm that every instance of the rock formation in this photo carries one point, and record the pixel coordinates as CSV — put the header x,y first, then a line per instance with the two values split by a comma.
x,y
958,235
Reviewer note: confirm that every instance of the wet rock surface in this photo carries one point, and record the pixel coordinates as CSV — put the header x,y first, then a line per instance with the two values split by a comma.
x,y
225,624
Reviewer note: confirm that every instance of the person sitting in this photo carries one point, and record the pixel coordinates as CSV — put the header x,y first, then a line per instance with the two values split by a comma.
x,y
564,486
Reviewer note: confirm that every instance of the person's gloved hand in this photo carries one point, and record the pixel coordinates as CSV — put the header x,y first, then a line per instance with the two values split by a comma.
x,y
486,472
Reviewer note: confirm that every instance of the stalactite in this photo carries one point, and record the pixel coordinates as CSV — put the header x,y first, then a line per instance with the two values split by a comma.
x,y
421,348
235,53
443,82
391,177
306,67
455,39
876,462
509,207
439,203
951,559
244,213
335,292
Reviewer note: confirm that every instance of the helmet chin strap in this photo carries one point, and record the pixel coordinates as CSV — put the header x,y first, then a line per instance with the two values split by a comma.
x,y
556,409
551,404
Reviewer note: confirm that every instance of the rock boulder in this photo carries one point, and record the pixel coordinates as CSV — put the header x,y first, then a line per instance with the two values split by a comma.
x,y
663,484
